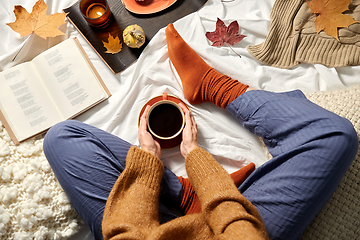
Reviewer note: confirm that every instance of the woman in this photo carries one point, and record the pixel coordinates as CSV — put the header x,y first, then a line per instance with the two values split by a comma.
x,y
122,191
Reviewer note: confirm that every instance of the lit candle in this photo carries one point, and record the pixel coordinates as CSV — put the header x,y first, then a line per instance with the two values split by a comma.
x,y
95,10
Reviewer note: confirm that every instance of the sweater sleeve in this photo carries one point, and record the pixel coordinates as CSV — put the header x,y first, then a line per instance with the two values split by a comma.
x,y
228,213
131,211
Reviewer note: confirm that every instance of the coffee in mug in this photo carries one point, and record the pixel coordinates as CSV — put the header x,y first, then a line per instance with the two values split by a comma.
x,y
165,120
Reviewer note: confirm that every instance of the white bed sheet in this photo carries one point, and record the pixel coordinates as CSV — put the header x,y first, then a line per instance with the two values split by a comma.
x,y
153,74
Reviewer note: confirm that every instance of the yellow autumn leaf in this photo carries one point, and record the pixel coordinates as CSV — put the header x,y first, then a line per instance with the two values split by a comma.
x,y
330,15
113,45
37,21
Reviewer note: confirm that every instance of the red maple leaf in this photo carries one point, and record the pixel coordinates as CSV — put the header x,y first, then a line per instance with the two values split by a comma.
x,y
224,34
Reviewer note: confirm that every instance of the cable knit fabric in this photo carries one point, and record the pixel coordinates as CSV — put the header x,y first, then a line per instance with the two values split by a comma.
x,y
292,38
131,210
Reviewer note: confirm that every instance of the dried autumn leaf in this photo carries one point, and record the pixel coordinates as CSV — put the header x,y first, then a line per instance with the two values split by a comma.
x,y
37,21
113,45
224,34
330,15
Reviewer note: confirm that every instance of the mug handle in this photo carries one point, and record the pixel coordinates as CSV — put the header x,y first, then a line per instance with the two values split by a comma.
x,y
165,96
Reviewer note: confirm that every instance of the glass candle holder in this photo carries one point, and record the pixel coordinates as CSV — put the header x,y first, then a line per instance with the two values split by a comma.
x,y
96,12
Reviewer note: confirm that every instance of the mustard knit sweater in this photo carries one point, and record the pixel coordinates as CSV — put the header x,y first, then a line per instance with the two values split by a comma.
x,y
131,211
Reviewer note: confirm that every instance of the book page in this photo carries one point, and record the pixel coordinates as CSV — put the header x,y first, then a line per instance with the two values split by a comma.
x,y
25,103
69,78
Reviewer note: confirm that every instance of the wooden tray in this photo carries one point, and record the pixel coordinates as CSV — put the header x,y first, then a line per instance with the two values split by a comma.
x,y
121,18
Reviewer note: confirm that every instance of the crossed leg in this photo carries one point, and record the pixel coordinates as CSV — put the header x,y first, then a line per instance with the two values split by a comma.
x,y
87,161
311,147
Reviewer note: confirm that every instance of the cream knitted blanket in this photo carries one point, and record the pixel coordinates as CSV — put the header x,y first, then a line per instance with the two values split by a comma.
x,y
33,205
32,202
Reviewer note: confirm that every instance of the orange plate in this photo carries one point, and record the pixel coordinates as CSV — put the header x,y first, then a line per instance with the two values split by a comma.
x,y
147,6
164,143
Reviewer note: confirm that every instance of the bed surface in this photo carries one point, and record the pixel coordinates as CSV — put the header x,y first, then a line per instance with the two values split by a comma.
x,y
153,74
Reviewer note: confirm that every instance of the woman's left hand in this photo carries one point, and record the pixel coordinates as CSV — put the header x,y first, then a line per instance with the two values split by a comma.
x,y
189,134
147,143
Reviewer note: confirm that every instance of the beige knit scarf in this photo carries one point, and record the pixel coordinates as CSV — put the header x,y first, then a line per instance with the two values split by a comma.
x,y
292,38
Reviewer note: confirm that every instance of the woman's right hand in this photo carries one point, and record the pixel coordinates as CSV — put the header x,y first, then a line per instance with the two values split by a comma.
x,y
147,143
189,135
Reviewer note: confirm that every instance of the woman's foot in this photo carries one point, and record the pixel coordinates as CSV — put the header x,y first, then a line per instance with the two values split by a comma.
x,y
201,83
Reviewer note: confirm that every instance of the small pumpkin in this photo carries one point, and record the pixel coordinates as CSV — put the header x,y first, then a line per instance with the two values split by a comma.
x,y
134,36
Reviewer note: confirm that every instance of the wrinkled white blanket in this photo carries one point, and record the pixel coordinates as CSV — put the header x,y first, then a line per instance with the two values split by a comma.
x,y
153,74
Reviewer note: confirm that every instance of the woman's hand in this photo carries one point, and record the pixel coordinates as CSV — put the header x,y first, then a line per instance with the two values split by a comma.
x,y
189,135
147,143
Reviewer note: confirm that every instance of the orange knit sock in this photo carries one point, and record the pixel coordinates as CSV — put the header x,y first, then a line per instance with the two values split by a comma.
x,y
201,83
242,174
190,202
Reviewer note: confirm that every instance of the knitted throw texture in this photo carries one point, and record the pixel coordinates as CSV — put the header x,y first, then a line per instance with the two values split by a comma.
x,y
292,38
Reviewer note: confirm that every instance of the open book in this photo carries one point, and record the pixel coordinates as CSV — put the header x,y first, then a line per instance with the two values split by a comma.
x,y
58,84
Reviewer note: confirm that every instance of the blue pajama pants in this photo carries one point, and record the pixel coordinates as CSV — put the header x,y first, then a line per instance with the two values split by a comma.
x,y
311,147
